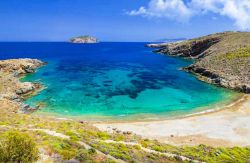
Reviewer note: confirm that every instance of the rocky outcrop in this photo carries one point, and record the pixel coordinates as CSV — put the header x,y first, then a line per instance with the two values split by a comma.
x,y
20,66
11,89
84,39
27,87
222,59
189,49
209,76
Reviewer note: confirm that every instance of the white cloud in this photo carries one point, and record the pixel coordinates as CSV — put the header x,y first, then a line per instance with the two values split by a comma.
x,y
237,10
140,11
172,9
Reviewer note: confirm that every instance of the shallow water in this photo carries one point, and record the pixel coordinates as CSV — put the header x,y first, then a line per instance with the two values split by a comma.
x,y
117,80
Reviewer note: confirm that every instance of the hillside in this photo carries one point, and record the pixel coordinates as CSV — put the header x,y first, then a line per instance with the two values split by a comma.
x,y
222,58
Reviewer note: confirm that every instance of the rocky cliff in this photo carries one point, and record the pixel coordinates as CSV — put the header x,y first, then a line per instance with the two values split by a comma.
x,y
84,39
222,59
12,91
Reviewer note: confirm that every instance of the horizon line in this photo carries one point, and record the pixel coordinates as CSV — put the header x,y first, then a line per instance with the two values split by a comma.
x,y
70,42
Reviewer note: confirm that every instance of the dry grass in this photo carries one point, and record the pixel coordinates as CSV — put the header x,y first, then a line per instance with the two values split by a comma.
x,y
243,52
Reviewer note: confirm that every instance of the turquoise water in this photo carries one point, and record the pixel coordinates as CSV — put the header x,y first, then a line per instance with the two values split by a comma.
x,y
115,80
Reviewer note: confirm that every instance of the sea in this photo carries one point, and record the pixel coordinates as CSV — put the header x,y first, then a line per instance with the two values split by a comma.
x,y
113,81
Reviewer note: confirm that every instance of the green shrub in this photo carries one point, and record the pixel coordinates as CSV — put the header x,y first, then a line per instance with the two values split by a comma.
x,y
137,147
103,135
16,146
119,138
72,135
243,52
144,143
66,148
84,155
158,148
92,151
109,161
67,154
120,155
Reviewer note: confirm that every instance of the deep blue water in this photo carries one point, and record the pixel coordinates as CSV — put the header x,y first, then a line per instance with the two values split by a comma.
x,y
112,79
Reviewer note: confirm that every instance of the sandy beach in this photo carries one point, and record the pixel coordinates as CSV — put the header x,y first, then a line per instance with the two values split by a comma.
x,y
229,126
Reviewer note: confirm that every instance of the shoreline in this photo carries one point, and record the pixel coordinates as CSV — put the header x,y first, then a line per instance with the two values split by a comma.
x,y
220,106
13,92
215,62
233,102
226,127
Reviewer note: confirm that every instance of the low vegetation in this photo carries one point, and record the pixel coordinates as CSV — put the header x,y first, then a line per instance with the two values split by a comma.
x,y
203,152
17,147
243,52
69,146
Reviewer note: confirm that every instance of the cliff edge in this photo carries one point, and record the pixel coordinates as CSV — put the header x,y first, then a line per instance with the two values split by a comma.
x,y
222,58
12,91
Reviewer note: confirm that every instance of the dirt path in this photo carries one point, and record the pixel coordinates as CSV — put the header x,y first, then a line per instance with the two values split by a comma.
x,y
86,146
152,151
53,133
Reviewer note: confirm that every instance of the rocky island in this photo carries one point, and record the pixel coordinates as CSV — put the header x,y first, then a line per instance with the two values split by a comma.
x,y
84,39
222,58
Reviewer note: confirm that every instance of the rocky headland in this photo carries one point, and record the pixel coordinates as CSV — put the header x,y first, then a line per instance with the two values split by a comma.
x,y
12,91
222,58
84,40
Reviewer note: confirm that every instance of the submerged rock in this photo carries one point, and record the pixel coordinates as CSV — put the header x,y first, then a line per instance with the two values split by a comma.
x,y
29,109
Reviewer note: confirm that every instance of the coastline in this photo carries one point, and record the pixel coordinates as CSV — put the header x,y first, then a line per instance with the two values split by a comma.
x,y
150,117
13,92
227,127
221,59
216,127
16,69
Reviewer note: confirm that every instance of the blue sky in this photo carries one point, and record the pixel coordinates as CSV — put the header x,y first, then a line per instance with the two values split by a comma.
x,y
118,20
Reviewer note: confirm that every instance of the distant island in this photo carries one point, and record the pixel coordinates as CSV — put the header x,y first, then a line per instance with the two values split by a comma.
x,y
84,39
